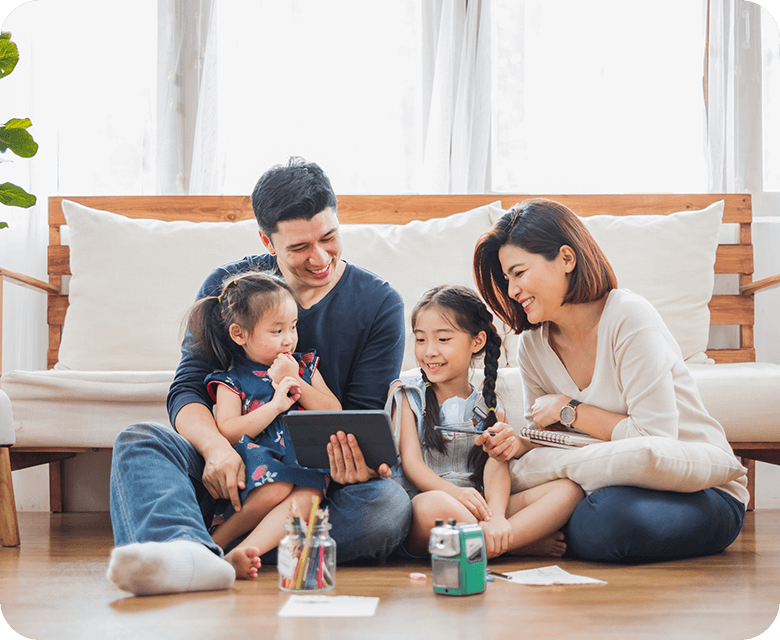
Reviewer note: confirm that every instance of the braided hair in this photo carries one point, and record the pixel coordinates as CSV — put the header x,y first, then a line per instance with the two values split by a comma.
x,y
243,300
464,308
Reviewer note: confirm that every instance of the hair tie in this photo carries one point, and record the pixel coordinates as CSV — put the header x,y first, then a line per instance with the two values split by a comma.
x,y
219,299
492,409
427,384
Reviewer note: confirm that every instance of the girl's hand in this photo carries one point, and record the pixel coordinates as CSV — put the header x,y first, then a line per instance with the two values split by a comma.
x,y
498,536
547,409
504,444
286,393
283,366
473,500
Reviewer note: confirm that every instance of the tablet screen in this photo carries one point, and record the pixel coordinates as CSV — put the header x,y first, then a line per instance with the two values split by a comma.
x,y
311,430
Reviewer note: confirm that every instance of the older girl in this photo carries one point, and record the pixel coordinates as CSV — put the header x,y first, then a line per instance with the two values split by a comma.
x,y
441,411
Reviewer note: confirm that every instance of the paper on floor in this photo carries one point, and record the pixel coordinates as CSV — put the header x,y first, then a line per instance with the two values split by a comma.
x,y
549,575
328,607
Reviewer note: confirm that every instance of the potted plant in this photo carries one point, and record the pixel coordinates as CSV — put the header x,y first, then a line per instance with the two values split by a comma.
x,y
13,134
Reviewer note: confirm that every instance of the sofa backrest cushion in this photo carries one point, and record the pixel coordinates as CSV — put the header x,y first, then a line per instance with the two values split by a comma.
x,y
669,260
134,279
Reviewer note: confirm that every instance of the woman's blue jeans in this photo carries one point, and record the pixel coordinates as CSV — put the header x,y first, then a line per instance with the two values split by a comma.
x,y
157,496
631,524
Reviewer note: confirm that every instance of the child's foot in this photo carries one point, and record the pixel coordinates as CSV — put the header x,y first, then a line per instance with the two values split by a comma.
x,y
246,562
553,546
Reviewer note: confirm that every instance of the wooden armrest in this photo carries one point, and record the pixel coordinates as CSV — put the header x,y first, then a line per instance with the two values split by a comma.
x,y
764,283
27,281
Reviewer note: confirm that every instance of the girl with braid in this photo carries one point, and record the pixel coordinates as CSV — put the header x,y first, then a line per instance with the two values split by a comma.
x,y
446,475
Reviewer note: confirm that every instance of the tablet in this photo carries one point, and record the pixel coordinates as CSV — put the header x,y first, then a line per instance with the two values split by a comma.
x,y
311,430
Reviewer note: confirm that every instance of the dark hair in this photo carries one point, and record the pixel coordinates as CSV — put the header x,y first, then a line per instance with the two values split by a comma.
x,y
297,190
542,227
244,298
463,307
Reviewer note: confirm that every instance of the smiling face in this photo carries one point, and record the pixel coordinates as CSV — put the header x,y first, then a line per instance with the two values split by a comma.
x,y
443,350
308,253
275,332
538,284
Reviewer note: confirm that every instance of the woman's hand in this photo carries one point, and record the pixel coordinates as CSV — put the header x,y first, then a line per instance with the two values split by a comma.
x,y
286,393
547,409
503,445
498,536
473,500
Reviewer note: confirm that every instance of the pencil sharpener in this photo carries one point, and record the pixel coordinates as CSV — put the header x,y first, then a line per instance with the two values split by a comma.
x,y
457,558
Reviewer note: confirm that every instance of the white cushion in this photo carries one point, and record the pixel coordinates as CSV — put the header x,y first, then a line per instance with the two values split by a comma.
x,y
132,283
83,408
420,254
126,312
743,397
669,260
651,462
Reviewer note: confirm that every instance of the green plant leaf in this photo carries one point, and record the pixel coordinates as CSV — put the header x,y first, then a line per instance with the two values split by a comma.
x,y
9,55
14,136
3,225
14,196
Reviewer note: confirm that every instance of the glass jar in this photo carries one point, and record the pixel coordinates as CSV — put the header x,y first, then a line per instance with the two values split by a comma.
x,y
307,563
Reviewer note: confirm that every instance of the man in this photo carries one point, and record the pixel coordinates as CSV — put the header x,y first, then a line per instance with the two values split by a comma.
x,y
164,484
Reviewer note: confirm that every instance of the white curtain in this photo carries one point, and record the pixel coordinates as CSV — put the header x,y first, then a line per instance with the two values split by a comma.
x,y
456,101
187,97
733,97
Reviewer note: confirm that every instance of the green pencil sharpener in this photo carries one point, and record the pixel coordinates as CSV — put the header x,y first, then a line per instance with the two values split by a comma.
x,y
457,558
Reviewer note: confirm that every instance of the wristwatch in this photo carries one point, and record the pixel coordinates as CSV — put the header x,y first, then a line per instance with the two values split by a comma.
x,y
569,413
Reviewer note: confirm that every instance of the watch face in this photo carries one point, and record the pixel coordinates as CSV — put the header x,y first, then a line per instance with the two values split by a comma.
x,y
567,415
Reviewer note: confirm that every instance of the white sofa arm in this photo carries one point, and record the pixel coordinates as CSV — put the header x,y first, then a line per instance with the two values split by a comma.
x,y
7,434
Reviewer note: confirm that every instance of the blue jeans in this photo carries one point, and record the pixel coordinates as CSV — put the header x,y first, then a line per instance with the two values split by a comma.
x,y
157,495
631,524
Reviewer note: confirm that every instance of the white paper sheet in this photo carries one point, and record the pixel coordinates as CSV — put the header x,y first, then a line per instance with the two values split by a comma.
x,y
303,606
547,576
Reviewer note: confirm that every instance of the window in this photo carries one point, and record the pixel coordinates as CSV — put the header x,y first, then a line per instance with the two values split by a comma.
x,y
593,97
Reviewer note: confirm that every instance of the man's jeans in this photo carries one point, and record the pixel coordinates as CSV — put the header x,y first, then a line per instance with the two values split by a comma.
x,y
157,496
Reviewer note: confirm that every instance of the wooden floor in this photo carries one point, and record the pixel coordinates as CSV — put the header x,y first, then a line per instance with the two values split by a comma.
x,y
54,586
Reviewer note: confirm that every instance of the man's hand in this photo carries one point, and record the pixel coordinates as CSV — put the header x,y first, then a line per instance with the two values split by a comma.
x,y
224,473
347,465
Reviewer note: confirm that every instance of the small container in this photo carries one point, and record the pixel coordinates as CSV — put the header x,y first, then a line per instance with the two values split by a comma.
x,y
307,565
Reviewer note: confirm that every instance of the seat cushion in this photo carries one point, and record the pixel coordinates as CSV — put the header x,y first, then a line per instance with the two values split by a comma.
x,y
83,408
7,436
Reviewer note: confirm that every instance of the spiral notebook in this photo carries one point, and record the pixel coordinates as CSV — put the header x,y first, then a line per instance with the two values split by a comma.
x,y
563,439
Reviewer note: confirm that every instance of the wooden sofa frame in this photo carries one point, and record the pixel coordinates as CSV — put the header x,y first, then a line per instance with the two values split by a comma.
x,y
736,309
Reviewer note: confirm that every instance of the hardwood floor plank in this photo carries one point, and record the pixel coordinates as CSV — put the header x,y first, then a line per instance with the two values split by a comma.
x,y
54,586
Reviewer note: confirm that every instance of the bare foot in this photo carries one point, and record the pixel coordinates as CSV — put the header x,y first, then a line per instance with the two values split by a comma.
x,y
246,562
553,545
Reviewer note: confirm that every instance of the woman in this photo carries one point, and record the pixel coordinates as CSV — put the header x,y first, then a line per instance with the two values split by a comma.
x,y
600,359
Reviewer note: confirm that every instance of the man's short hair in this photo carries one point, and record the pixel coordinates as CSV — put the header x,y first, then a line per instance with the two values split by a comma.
x,y
295,191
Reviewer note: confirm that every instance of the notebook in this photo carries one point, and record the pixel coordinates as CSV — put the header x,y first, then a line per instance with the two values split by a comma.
x,y
563,439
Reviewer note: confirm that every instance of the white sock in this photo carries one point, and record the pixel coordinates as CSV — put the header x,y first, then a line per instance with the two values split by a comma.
x,y
150,568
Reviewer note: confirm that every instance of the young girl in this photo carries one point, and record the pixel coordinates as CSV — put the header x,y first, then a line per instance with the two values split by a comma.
x,y
452,327
248,334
